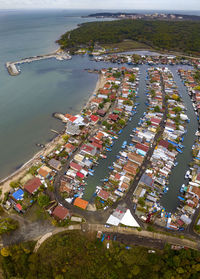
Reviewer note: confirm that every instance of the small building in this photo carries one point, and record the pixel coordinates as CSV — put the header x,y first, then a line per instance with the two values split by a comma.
x,y
81,203
61,213
55,164
32,185
18,195
44,171
104,195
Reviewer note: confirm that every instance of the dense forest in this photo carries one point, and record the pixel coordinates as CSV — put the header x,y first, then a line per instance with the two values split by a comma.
x,y
77,255
181,36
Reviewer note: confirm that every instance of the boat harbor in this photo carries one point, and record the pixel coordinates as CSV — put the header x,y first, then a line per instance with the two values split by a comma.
x,y
14,67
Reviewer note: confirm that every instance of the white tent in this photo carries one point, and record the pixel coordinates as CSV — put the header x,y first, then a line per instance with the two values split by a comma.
x,y
129,220
113,221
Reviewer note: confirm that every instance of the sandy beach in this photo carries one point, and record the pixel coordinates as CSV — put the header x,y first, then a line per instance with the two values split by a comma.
x,y
18,174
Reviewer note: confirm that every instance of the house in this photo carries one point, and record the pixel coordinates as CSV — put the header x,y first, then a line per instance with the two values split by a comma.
x,y
69,148
61,213
55,164
44,171
94,118
81,203
89,149
75,166
113,117
32,185
101,112
146,180
135,158
18,195
104,195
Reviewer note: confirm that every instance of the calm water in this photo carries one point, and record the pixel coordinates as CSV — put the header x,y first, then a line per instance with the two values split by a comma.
x,y
28,100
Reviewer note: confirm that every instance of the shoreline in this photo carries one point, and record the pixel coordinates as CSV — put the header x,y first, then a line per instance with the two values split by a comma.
x,y
49,146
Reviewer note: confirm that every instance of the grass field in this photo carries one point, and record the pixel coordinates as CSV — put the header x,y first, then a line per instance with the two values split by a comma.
x,y
126,45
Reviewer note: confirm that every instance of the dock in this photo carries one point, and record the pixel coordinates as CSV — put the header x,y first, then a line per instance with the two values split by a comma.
x,y
13,67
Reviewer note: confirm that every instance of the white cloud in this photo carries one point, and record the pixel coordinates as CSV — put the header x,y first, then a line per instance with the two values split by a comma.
x,y
102,4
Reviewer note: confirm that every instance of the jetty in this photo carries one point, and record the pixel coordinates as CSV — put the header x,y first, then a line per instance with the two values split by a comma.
x,y
13,67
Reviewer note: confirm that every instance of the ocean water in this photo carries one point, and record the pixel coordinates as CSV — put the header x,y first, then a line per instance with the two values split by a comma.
x,y
43,87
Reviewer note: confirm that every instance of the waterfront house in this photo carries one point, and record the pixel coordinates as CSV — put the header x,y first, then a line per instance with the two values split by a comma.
x,y
32,185
104,195
81,203
135,158
75,166
88,149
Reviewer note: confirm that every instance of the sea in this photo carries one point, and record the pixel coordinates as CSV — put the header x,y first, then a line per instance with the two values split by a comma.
x,y
28,101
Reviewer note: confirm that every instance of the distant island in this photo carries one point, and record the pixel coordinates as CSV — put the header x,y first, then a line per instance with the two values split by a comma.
x,y
179,36
156,16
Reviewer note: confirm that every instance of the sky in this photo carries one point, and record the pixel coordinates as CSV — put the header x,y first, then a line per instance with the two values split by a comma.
x,y
102,4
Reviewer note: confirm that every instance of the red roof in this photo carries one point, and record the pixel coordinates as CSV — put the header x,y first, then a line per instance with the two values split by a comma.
x,y
113,117
142,147
164,143
73,118
79,174
104,195
87,148
75,166
94,118
60,212
19,206
32,185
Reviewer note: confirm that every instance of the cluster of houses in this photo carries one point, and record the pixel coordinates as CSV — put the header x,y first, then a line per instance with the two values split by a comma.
x,y
191,191
154,181
103,118
151,60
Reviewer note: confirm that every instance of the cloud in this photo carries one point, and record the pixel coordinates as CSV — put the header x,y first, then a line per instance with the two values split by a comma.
x,y
102,4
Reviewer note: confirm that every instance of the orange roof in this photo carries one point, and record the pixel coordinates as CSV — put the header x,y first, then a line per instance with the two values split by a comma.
x,y
67,115
81,203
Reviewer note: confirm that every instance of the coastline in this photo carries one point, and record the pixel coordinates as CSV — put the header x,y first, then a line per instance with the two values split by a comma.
x,y
49,146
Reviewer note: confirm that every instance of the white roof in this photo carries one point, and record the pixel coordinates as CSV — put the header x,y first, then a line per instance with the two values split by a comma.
x,y
112,220
129,220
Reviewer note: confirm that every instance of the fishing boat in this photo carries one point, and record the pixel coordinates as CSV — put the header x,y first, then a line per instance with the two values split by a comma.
x,y
187,174
124,144
91,173
179,150
111,168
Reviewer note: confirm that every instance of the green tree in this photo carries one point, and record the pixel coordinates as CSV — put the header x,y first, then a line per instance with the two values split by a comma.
x,y
43,200
7,225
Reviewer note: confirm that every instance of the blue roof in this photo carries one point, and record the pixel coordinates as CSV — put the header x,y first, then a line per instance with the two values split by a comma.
x,y
18,195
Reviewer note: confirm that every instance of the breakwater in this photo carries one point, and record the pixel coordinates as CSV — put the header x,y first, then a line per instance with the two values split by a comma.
x,y
13,67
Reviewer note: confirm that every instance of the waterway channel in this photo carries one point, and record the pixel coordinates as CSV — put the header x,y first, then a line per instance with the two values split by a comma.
x,y
170,200
102,171
177,177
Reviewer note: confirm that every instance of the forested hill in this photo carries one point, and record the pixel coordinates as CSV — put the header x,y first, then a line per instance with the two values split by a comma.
x,y
181,36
